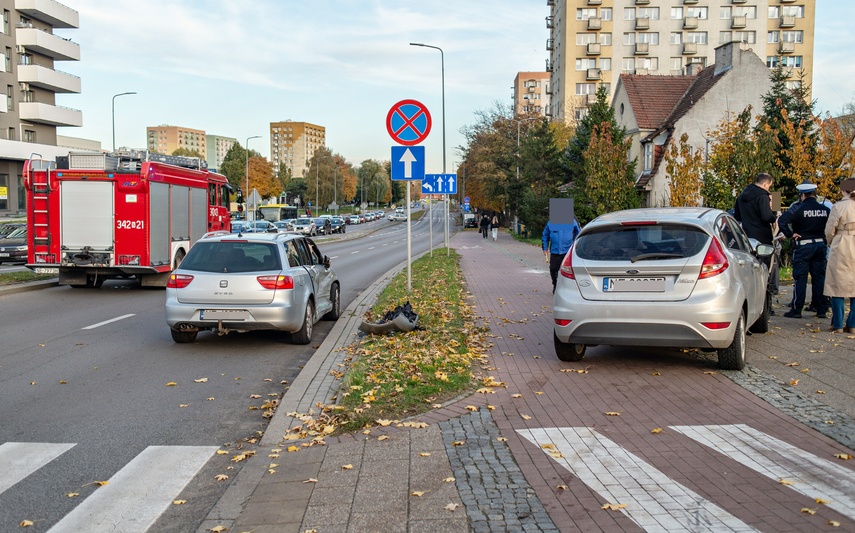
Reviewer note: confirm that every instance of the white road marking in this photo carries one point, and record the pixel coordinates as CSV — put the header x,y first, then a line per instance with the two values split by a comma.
x,y
99,324
811,475
20,459
138,493
371,248
356,252
653,500
334,257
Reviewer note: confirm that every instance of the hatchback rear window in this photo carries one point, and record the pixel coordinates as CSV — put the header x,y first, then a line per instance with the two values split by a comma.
x,y
628,243
230,256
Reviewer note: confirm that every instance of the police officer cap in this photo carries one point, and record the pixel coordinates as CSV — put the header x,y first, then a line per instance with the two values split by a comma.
x,y
805,186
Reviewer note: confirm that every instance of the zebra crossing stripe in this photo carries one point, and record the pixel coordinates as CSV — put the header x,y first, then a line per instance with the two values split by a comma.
x,y
653,500
812,476
138,493
20,459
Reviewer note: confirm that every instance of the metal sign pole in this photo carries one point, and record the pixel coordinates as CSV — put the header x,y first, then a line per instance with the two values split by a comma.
x,y
430,224
409,246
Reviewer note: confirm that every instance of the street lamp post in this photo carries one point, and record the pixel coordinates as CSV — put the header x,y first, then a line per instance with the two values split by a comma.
x,y
114,116
445,209
246,192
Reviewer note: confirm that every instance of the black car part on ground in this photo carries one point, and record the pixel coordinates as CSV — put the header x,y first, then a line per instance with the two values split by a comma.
x,y
402,318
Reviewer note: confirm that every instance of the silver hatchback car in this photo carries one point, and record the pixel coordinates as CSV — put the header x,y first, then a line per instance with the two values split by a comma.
x,y
252,281
666,277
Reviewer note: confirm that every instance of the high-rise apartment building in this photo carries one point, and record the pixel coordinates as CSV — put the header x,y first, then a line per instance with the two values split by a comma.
x,y
218,147
592,42
29,84
294,143
531,93
165,139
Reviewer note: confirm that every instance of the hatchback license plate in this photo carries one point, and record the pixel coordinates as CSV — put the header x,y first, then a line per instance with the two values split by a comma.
x,y
4,254
640,284
223,314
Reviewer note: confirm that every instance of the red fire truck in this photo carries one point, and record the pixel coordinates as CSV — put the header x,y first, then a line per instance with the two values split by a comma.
x,y
95,216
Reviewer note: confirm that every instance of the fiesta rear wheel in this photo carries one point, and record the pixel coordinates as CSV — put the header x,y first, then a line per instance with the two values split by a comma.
x,y
762,324
566,351
733,357
304,336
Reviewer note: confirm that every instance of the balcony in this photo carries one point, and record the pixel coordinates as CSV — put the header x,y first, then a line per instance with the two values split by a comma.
x,y
593,74
593,49
47,44
4,103
737,1
49,11
738,22
595,23
788,21
690,23
788,1
590,99
550,44
642,23
642,2
642,49
548,66
690,48
595,2
642,71
50,114
786,48
690,1
46,78
550,22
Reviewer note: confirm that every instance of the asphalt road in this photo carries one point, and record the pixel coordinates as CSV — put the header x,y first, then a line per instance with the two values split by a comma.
x,y
86,396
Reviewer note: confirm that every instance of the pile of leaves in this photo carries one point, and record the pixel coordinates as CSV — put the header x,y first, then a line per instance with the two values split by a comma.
x,y
402,374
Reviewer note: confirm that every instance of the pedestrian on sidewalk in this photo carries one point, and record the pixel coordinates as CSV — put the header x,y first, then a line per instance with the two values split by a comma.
x,y
556,243
840,277
806,226
494,227
485,223
753,210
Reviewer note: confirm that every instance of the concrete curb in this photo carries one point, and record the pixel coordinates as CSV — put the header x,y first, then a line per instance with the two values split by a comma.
x,y
27,287
314,384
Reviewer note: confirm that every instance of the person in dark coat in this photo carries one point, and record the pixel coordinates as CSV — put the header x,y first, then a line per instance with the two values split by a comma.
x,y
753,210
485,225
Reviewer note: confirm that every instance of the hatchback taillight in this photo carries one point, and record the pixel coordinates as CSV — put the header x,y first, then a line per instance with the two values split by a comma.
x,y
276,282
715,262
567,265
178,281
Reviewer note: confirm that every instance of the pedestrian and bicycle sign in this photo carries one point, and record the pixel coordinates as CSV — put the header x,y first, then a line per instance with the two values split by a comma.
x,y
439,184
408,122
408,163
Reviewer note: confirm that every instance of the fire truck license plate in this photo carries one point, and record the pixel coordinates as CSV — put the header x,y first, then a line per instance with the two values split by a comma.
x,y
46,270
223,314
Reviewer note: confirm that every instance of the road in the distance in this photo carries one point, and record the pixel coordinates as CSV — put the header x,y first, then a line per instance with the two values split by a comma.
x,y
85,378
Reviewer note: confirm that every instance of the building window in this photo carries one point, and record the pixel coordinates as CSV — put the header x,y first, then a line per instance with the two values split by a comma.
x,y
629,39
586,13
793,11
676,37
627,64
676,13
651,13
698,12
28,96
786,61
606,39
649,38
606,63
725,13
794,85
9,103
774,12
650,63
648,157
792,36
6,16
697,37
585,63
580,112
11,134
586,88
583,39
724,37
749,12
773,37
749,37
8,59
677,63
26,59
606,13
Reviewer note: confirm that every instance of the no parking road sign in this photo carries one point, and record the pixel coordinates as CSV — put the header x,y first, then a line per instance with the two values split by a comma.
x,y
408,122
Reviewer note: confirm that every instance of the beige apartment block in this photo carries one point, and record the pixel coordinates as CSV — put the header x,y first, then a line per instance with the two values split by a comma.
x,y
165,139
218,147
592,42
294,143
531,93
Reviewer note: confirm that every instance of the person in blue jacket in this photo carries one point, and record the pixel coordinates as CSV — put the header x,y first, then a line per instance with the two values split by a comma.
x,y
556,243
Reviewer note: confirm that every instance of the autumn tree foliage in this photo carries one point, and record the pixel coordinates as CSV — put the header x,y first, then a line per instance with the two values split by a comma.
x,y
609,177
684,168
262,179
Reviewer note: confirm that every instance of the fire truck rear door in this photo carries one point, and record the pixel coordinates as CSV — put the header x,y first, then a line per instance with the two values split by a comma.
x,y
87,214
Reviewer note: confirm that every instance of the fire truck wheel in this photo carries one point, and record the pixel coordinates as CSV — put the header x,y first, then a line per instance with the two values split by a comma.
x,y
183,337
179,257
304,336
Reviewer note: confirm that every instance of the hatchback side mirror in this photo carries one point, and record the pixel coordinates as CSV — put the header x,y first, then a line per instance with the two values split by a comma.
x,y
326,261
764,250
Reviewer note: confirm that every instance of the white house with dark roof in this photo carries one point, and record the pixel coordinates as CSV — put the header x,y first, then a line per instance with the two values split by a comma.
x,y
738,79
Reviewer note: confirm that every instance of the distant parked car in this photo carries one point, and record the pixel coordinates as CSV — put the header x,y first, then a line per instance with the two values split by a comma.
x,y
353,219
262,281
338,225
666,277
306,226
9,227
255,226
284,225
323,226
13,247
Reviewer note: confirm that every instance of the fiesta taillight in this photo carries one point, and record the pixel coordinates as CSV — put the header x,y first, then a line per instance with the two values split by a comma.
x,y
567,265
715,262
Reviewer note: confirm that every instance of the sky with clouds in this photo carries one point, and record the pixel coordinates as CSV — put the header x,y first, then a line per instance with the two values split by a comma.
x,y
230,68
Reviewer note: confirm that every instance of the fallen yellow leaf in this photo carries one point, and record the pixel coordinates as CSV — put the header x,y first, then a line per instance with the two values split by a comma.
x,y
561,487
222,452
183,405
516,395
538,392
63,382
458,443
807,510
311,480
347,467
821,501
424,454
383,423
218,529
72,494
820,392
471,408
656,374
844,456
525,417
179,502
417,493
255,396
211,399
383,437
613,506
794,382
548,446
201,380
709,372
26,523
612,413
172,384
785,482
486,390
792,364
221,477
452,506
293,449
656,430
834,523
449,480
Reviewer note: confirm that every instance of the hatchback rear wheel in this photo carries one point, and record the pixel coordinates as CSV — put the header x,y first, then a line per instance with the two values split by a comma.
x,y
733,357
762,324
566,351
183,337
304,336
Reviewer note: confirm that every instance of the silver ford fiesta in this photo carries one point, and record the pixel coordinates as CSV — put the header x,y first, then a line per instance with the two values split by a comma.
x,y
666,277
252,281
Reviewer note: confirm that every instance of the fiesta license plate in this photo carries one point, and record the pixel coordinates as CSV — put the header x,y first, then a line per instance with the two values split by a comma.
x,y
635,284
223,314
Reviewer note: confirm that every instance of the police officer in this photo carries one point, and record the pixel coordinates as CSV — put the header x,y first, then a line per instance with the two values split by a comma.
x,y
805,224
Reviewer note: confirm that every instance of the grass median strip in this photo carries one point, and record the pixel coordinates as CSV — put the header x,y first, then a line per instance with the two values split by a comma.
x,y
14,278
395,376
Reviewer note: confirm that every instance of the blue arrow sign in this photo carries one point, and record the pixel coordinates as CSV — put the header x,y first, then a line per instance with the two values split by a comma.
x,y
439,184
408,163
